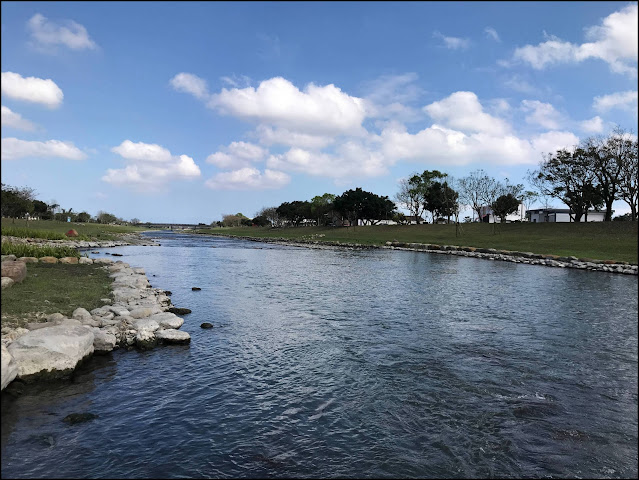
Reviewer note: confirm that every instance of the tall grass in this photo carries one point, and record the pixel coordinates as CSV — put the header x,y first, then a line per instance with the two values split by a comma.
x,y
23,250
86,231
31,233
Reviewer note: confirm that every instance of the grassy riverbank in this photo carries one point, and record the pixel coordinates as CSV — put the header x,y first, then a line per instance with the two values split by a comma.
x,y
603,240
51,288
53,229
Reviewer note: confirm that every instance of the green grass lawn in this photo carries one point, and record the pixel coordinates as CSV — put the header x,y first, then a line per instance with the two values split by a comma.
x,y
54,229
51,288
601,240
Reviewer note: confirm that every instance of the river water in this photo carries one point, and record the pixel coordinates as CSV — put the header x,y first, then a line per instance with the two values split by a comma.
x,y
342,363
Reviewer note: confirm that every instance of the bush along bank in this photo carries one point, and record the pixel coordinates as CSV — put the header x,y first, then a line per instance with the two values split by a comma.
x,y
528,258
136,316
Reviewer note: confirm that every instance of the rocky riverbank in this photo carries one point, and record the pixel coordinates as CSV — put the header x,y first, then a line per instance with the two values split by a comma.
x,y
124,239
528,258
136,316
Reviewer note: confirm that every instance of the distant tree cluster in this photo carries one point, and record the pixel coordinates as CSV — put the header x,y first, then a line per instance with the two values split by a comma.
x,y
594,174
22,203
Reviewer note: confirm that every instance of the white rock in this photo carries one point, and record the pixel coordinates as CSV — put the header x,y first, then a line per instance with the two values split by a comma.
x,y
103,341
170,335
118,310
167,320
9,368
52,350
85,261
125,294
141,312
7,282
145,324
139,271
81,314
105,261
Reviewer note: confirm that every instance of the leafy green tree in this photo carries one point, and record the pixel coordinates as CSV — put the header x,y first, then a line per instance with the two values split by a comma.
x,y
410,195
322,206
504,205
294,212
105,217
362,205
261,221
84,217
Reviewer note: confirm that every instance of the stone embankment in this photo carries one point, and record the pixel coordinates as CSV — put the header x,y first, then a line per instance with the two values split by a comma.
x,y
529,258
124,239
136,316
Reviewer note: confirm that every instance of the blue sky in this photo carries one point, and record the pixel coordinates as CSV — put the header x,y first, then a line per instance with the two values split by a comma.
x,y
185,111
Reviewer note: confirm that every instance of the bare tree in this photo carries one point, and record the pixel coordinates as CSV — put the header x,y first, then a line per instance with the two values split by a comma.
x,y
476,190
410,195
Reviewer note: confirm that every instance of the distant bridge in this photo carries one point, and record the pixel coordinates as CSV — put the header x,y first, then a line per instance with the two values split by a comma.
x,y
176,226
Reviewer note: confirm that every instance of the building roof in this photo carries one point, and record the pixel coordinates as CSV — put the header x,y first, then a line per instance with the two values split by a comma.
x,y
560,210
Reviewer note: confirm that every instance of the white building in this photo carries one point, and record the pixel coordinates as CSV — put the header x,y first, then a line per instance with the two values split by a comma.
x,y
562,215
488,216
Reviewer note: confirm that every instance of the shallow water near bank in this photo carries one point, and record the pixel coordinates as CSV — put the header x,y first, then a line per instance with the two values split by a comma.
x,y
346,363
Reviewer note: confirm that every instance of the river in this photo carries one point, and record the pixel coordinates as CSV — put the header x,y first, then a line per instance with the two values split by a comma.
x,y
350,363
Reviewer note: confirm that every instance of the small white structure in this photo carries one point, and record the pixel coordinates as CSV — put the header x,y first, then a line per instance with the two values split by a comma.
x,y
562,215
488,216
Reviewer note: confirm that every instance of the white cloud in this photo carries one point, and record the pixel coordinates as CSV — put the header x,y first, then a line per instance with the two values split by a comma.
x,y
14,148
462,110
237,155
248,179
284,136
594,125
317,110
521,85
453,43
189,83
437,145
550,142
351,160
387,95
614,41
142,151
543,114
46,33
492,33
149,167
14,120
31,89
621,100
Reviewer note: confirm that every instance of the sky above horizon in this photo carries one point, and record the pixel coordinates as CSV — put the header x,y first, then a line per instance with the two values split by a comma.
x,y
185,111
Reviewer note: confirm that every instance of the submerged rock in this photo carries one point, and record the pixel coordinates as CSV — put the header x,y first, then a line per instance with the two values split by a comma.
x,y
179,311
206,325
75,418
195,288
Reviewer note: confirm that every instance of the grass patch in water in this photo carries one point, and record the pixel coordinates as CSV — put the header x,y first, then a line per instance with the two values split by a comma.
x,y
86,231
51,288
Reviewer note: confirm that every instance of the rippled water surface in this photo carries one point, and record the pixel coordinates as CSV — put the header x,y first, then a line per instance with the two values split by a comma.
x,y
336,363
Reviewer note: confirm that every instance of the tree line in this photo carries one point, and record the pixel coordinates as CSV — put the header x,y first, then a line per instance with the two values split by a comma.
x,y
21,202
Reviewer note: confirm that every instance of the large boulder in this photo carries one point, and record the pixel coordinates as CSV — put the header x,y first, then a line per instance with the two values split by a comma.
x,y
51,352
9,368
81,314
7,282
28,259
105,261
85,261
16,271
103,341
167,320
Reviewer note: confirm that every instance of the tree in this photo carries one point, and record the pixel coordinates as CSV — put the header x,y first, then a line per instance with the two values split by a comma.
x,y
271,214
261,221
476,190
84,217
105,217
16,202
441,200
134,221
410,195
362,205
321,207
230,220
629,175
295,212
505,205
606,157
429,190
568,176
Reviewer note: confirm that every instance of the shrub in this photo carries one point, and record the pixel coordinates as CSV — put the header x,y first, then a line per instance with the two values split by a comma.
x,y
23,250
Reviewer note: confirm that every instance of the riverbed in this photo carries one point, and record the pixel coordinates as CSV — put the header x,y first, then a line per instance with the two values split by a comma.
x,y
347,363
